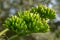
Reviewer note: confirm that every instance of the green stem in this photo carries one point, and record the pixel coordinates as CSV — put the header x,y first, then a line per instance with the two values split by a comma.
x,y
14,37
4,31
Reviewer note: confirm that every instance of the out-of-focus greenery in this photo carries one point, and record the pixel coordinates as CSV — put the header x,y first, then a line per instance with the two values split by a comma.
x,y
57,34
53,28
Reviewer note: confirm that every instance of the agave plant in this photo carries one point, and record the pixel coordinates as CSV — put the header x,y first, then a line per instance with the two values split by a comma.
x,y
44,12
30,21
34,22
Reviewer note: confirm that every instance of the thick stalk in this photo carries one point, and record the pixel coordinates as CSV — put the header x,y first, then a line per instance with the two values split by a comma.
x,y
4,31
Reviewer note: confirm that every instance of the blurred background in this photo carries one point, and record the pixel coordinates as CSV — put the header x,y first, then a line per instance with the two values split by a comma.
x,y
11,7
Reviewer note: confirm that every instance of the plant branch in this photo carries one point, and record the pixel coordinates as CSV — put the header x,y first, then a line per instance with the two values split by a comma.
x,y
4,31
